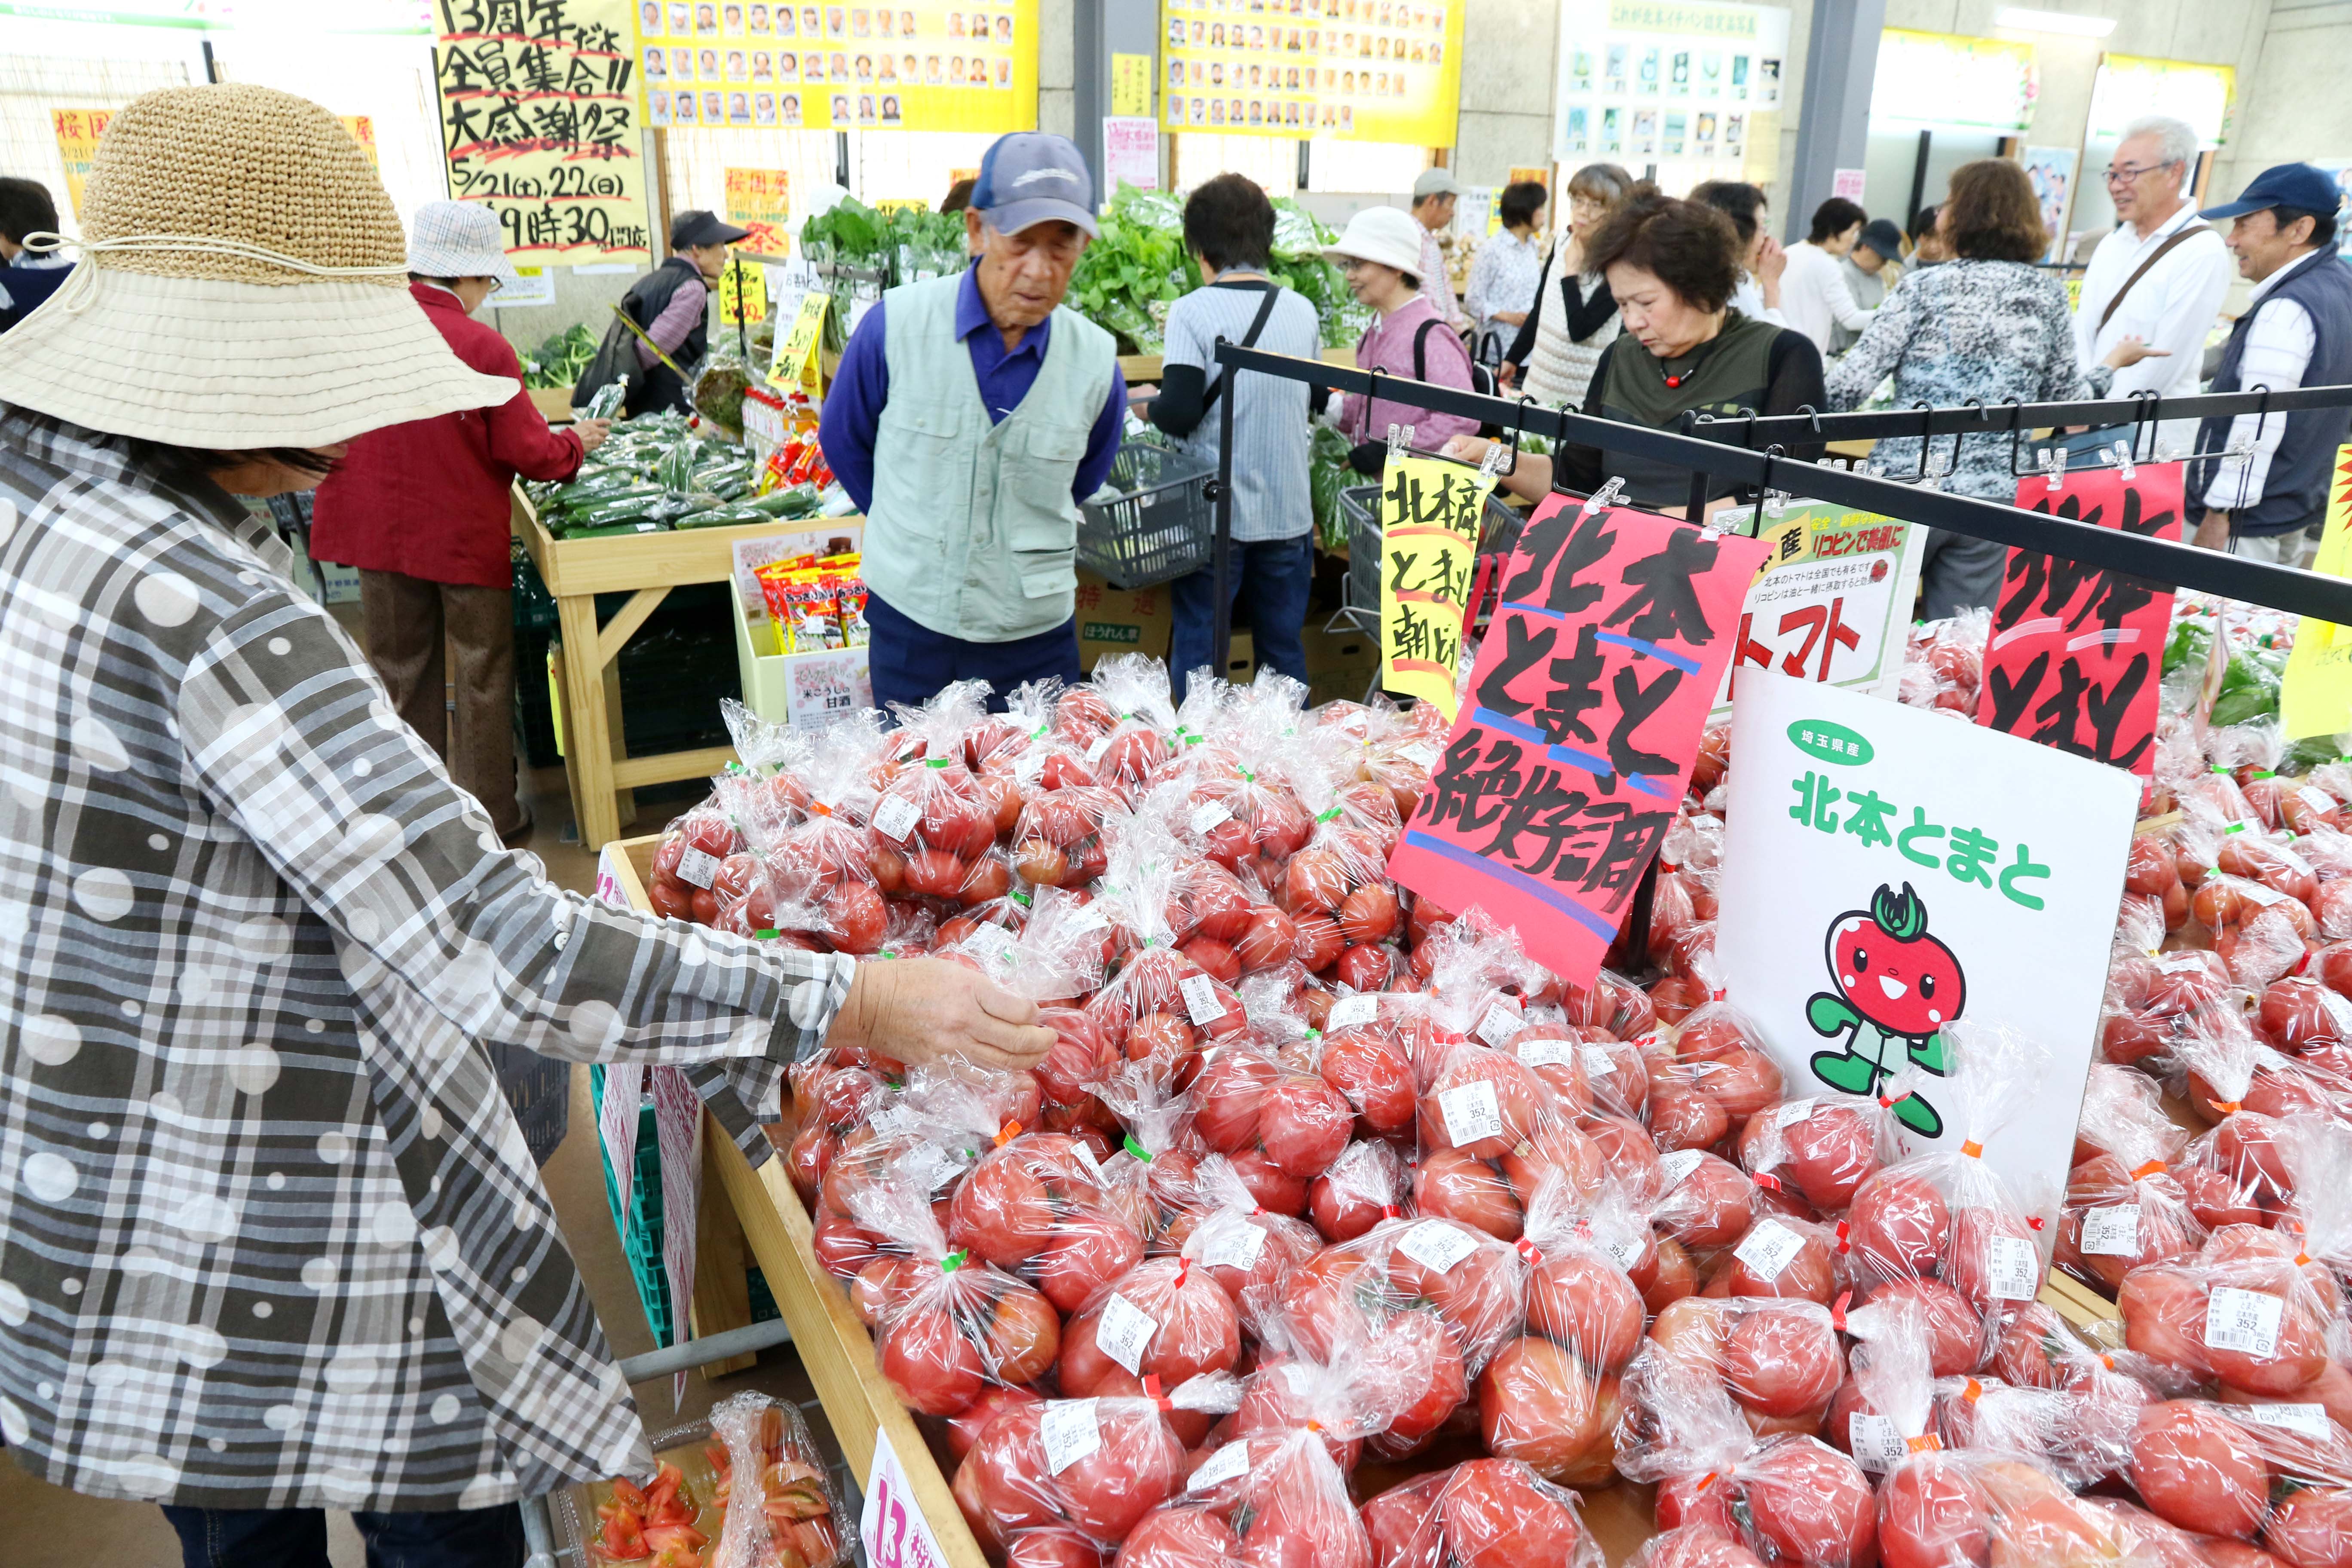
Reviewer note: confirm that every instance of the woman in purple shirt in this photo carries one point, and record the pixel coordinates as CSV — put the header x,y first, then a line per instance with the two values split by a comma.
x,y
1381,254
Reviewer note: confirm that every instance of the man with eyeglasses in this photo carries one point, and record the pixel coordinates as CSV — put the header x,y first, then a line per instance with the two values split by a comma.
x,y
2158,277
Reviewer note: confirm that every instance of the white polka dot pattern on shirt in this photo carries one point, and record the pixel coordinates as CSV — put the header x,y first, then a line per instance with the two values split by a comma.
x,y
165,599
104,893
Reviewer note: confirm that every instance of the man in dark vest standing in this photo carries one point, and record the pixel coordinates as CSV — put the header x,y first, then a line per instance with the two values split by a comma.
x,y
671,304
2296,332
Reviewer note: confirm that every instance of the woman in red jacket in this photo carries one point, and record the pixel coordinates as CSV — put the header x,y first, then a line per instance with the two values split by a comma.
x,y
421,508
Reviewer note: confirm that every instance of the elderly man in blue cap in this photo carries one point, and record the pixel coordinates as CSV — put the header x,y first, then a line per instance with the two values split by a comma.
x,y
2296,332
969,416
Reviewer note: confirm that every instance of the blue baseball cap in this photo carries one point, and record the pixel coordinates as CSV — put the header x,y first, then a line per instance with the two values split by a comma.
x,y
2283,186
1030,177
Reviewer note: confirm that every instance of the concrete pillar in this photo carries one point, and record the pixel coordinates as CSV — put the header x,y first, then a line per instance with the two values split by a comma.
x,y
1099,29
1833,118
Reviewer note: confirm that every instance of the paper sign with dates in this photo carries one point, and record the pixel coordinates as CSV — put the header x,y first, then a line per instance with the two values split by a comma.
x,y
1576,741
2076,654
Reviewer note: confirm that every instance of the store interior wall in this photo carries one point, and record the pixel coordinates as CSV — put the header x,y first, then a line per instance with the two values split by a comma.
x,y
2282,112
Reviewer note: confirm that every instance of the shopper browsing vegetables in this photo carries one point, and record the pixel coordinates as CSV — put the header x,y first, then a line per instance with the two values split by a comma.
x,y
670,309
970,416
270,1237
421,508
1381,254
1229,228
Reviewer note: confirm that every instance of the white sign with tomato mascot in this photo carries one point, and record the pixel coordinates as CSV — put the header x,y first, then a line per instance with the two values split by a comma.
x,y
1889,870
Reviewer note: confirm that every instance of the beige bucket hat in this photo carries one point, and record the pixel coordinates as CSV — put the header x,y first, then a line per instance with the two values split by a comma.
x,y
243,283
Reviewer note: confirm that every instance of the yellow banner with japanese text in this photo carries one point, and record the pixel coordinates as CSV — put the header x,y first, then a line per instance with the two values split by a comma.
x,y
1430,513
2316,693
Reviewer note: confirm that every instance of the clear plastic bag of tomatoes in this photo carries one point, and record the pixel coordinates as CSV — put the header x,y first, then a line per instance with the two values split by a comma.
x,y
1160,1005
1367,1184
1338,891
2156,999
2308,1019
1239,808
2124,1205
1229,926
2123,1114
1490,1131
1787,1497
1886,1409
1164,1319
1356,1393
1062,836
1482,1513
1037,1207
1817,1150
1095,1467
2249,1310
1280,1125
1360,802
2274,1475
831,1099
1590,1257
932,819
1129,752
822,872
1948,1215
782,1510
1224,1231
1945,1505
686,862
1367,1048
1715,1072
920,1135
1697,1545
1054,957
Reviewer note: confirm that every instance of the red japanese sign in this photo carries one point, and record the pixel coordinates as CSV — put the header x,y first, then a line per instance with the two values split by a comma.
x,y
1575,745
2076,654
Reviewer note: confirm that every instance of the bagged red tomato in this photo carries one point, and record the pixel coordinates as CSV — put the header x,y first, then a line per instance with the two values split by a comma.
x,y
1097,1467
2249,1310
2235,1175
1949,1214
688,862
1254,1108
1367,1184
828,877
1590,1258
1060,838
1337,889
1223,1230
1715,1075
1692,1546
1355,1393
1788,1498
1129,752
781,1507
1491,1131
1368,1058
2123,1114
832,1101
1239,807
2124,1208
1821,1148
1288,1508
1947,1506
1703,1201
1163,1319
1485,1514
918,1136
1225,923
1038,1206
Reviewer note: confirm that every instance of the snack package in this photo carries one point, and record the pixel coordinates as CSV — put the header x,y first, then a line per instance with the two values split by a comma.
x,y
1486,1514
1948,1215
1096,1466
782,1509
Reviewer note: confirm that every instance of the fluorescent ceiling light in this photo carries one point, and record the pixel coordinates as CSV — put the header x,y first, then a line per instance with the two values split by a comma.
x,y
2053,22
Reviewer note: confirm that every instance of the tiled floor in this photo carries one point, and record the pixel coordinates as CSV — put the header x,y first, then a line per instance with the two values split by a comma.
x,y
57,1529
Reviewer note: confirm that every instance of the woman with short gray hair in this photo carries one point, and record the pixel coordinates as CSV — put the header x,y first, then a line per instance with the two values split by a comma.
x,y
1553,356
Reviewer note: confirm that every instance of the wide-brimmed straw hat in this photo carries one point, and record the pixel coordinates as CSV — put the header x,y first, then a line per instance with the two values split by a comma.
x,y
242,284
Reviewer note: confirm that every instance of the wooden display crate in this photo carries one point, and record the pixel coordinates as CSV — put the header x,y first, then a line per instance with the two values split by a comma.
x,y
838,1352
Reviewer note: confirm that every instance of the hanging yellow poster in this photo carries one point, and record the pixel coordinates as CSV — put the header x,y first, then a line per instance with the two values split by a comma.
x,y
928,66
1357,72
761,200
1130,84
362,131
2316,694
1430,513
78,132
742,293
541,126
798,361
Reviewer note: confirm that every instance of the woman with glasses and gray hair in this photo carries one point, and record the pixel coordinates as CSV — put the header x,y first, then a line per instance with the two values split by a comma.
x,y
1551,359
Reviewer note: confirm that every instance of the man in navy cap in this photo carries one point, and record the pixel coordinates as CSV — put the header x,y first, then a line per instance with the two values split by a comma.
x,y
2296,332
970,414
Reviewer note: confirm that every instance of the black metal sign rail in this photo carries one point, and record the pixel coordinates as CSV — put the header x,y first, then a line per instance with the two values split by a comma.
x,y
2141,411
2110,550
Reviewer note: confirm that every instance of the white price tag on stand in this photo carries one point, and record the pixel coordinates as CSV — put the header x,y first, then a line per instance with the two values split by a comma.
x,y
892,1528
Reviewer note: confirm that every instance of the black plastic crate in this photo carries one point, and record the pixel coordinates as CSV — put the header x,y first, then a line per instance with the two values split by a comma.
x,y
1360,505
1163,529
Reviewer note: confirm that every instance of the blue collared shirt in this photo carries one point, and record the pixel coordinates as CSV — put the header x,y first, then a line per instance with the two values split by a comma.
x,y
853,404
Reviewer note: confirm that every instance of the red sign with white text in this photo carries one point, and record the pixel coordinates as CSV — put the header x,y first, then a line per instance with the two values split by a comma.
x,y
2076,654
1575,743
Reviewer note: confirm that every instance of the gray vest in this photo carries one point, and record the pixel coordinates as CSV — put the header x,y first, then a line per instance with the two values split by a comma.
x,y
2295,492
972,532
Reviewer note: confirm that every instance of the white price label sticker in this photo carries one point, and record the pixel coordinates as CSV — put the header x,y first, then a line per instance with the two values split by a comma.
x,y
697,869
1070,1432
2311,1420
1626,1253
1227,1462
1352,1012
1087,1155
1877,1446
2180,963
1210,815
928,1166
2244,1320
1095,753
1471,1113
1232,1245
2262,895
1421,754
1788,1115
1769,1247
1088,917
1500,1026
2111,1233
2013,1269
1598,1062
2316,799
1435,1245
1678,1165
1124,1331
896,817
1200,999
1548,1053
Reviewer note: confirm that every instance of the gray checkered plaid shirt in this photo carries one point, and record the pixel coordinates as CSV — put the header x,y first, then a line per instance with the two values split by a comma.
x,y
269,1235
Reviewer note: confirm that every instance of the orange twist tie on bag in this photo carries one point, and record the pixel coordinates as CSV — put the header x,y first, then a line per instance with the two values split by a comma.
x,y
1972,1149
2144,1171
1927,1443
1007,1133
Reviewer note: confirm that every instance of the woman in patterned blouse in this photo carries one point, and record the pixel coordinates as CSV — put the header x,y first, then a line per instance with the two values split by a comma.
x,y
1986,325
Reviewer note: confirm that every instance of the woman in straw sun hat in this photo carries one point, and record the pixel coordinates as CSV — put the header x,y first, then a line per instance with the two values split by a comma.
x,y
270,1239
421,508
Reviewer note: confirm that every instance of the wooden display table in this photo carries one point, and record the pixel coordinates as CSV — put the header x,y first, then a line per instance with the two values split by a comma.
x,y
646,567
1146,367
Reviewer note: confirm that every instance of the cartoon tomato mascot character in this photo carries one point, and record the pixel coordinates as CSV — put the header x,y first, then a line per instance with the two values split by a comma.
x,y
1896,989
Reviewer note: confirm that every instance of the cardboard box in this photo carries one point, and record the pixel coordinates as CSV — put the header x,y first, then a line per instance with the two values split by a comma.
x,y
1121,620
1339,664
